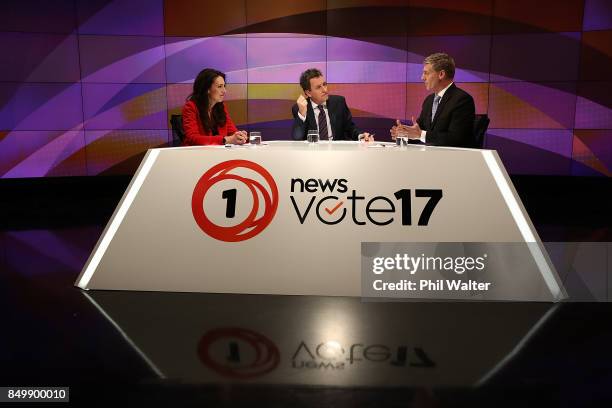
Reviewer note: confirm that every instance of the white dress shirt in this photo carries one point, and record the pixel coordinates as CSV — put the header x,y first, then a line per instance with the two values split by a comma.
x,y
441,95
315,107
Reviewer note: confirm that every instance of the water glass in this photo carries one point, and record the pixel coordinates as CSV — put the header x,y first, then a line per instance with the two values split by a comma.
x,y
312,136
255,138
401,141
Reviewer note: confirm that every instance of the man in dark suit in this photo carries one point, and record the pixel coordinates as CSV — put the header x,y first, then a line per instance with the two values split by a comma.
x,y
319,110
447,116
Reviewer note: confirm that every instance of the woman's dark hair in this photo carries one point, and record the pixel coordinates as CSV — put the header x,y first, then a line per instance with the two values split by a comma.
x,y
202,84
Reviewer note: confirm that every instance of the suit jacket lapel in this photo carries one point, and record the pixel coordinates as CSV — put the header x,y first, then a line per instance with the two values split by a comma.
x,y
310,117
429,108
445,98
331,106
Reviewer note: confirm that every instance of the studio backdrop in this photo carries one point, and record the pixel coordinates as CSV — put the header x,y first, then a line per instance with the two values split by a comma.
x,y
86,87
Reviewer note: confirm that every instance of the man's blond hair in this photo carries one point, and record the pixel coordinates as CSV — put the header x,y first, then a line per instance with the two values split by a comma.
x,y
442,62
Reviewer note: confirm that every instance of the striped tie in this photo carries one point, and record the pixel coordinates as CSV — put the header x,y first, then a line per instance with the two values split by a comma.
x,y
323,134
436,102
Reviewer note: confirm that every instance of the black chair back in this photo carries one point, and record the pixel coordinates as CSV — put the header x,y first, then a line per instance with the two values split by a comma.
x,y
178,133
481,123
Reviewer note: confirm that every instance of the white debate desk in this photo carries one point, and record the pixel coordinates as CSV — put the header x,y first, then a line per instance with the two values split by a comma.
x,y
154,241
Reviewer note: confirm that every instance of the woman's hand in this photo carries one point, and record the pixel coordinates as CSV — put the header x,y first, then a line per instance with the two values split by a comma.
x,y
240,137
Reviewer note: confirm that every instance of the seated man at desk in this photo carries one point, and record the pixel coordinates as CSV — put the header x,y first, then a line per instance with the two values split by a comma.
x,y
316,109
447,116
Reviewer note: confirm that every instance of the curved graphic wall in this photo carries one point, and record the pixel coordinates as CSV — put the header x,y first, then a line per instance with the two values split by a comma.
x,y
86,87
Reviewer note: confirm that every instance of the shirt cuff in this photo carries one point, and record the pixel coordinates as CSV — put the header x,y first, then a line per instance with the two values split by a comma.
x,y
423,135
301,117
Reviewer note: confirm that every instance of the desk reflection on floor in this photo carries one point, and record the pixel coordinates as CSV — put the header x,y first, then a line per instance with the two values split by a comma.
x,y
331,341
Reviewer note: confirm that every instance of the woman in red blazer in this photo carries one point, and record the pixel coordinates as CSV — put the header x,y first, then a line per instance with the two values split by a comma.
x,y
205,117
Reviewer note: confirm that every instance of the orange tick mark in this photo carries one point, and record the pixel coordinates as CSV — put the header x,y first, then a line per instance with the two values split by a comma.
x,y
333,210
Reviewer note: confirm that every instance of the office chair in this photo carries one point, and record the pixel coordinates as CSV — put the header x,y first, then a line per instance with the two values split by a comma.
x,y
481,123
178,134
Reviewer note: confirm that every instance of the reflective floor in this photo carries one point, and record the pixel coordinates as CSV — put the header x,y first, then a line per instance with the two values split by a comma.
x,y
186,349
306,351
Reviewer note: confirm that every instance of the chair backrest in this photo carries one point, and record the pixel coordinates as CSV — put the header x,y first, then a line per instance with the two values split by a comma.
x,y
178,134
481,123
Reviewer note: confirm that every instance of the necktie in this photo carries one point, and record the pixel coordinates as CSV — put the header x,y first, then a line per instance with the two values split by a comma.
x,y
323,134
436,102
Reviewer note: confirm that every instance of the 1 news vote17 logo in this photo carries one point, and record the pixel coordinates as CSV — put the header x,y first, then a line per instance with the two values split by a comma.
x,y
217,209
237,199
235,352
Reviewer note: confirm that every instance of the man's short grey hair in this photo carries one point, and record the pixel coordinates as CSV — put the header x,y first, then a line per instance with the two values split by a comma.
x,y
442,62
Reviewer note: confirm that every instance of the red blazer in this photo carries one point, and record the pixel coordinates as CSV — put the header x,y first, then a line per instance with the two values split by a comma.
x,y
194,132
